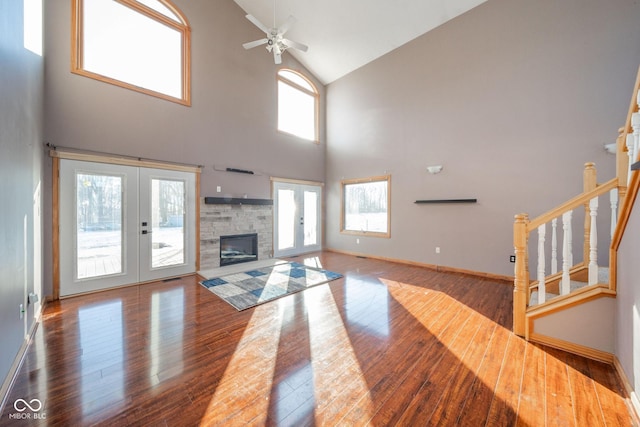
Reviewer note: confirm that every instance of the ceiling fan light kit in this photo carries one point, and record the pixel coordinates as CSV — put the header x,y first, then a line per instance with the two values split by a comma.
x,y
275,41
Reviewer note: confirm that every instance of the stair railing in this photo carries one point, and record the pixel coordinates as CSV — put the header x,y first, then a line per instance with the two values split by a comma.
x,y
627,153
560,221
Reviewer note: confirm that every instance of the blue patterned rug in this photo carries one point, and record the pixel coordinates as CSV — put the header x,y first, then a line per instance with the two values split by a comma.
x,y
254,287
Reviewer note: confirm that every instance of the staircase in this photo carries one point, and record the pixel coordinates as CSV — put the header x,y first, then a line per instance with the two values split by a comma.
x,y
574,285
569,279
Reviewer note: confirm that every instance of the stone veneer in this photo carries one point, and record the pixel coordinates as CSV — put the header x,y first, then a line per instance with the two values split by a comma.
x,y
226,219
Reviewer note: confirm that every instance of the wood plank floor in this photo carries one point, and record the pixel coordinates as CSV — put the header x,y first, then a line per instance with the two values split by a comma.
x,y
388,344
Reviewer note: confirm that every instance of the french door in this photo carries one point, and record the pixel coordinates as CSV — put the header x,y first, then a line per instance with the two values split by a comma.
x,y
123,224
297,218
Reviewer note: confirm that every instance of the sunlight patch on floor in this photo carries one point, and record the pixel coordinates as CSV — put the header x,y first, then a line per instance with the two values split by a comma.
x,y
331,351
313,262
408,295
249,373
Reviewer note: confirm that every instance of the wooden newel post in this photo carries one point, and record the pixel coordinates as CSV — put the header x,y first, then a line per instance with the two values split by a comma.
x,y
589,183
521,274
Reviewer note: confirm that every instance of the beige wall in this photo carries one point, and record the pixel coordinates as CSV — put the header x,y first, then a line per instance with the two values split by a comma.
x,y
628,303
232,120
231,123
21,79
512,97
591,324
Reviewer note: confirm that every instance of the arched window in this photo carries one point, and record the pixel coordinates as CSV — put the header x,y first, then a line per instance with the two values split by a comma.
x,y
143,45
297,105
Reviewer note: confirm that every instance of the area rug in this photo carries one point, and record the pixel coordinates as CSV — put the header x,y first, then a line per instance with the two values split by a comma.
x,y
254,287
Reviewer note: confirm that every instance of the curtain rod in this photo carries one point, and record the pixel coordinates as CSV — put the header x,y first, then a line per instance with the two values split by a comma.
x,y
71,150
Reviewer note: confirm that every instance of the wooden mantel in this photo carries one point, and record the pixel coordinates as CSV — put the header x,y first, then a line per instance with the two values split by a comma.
x,y
236,201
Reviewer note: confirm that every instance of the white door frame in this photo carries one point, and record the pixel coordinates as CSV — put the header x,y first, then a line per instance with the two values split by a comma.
x,y
299,188
147,271
134,269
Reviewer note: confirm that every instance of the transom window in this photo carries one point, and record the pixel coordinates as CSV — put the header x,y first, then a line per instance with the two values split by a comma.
x,y
366,207
297,105
143,45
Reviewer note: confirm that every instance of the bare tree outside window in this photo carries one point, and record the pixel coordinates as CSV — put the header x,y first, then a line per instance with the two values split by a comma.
x,y
366,206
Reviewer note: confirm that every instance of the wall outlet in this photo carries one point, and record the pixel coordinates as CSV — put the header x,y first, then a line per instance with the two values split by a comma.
x,y
357,241
219,189
512,258
437,249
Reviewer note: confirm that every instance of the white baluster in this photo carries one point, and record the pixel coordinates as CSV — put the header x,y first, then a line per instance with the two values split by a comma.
x,y
542,290
630,144
593,242
613,198
567,256
570,239
635,123
554,246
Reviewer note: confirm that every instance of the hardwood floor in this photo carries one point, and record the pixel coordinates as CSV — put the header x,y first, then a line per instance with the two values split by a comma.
x,y
388,344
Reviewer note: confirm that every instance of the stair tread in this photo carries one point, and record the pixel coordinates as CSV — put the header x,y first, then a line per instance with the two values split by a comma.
x,y
574,285
534,297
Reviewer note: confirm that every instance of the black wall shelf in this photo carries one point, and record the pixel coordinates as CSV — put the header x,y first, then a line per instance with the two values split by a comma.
x,y
446,201
236,201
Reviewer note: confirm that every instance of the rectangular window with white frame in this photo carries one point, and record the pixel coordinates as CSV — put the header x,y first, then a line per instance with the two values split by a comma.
x,y
366,206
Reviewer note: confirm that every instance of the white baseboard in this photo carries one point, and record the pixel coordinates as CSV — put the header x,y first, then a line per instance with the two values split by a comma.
x,y
17,362
633,396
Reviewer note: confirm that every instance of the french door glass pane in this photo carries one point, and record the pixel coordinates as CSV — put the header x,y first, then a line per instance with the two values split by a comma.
x,y
167,222
310,218
286,219
98,225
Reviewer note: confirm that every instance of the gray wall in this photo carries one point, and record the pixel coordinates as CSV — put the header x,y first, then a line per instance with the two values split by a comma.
x,y
512,97
231,123
628,302
20,177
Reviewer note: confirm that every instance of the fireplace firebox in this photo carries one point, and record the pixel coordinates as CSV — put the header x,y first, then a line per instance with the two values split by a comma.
x,y
238,248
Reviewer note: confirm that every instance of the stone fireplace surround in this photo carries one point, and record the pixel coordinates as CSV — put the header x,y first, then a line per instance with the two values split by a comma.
x,y
223,217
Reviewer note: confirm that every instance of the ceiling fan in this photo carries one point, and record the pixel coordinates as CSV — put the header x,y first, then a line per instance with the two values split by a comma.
x,y
275,40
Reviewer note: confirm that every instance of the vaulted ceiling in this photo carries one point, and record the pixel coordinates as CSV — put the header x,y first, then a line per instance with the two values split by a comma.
x,y
345,35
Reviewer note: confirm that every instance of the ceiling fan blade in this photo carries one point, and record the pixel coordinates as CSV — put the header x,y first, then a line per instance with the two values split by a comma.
x,y
258,24
287,24
295,45
255,43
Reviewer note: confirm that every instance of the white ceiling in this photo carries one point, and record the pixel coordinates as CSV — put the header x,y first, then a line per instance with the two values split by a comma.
x,y
344,35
